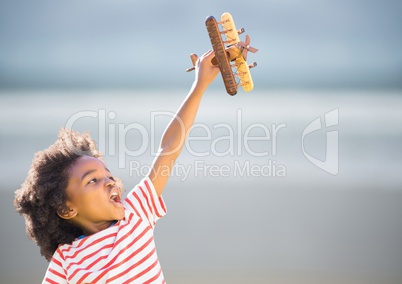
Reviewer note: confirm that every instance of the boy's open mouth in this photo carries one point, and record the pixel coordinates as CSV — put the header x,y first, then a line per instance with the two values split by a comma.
x,y
115,197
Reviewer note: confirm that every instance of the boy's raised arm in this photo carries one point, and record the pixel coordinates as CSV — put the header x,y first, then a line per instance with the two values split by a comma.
x,y
176,132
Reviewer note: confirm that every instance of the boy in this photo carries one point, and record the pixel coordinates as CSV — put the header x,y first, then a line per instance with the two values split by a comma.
x,y
75,213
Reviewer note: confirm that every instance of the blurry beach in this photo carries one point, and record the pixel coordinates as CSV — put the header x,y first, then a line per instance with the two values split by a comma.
x,y
237,211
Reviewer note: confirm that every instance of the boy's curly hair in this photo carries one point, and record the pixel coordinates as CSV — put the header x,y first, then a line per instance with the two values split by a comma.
x,y
43,193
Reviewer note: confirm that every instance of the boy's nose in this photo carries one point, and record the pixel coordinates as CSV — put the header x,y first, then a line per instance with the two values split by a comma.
x,y
110,182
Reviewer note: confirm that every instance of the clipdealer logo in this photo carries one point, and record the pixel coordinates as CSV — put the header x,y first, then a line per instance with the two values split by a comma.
x,y
241,141
254,144
331,162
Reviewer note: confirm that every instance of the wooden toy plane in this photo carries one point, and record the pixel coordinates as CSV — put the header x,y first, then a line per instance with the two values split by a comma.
x,y
230,53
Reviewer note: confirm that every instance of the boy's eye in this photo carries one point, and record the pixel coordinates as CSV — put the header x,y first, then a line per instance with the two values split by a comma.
x,y
112,178
94,180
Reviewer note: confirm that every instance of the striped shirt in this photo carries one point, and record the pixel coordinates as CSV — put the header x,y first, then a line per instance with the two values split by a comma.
x,y
123,253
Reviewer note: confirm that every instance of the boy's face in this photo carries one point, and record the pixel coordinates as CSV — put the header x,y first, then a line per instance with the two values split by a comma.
x,y
94,198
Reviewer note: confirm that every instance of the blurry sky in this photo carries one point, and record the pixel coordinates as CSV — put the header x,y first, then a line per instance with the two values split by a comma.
x,y
119,44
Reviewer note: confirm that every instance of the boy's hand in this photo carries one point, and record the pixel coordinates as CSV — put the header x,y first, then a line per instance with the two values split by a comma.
x,y
205,72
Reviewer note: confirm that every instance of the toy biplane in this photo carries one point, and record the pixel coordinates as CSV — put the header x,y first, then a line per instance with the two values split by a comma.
x,y
230,53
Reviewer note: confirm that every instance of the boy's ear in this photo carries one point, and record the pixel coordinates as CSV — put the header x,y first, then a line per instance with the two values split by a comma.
x,y
68,213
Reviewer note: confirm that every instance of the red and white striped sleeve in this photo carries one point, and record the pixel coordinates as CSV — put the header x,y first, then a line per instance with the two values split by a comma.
x,y
143,201
55,273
